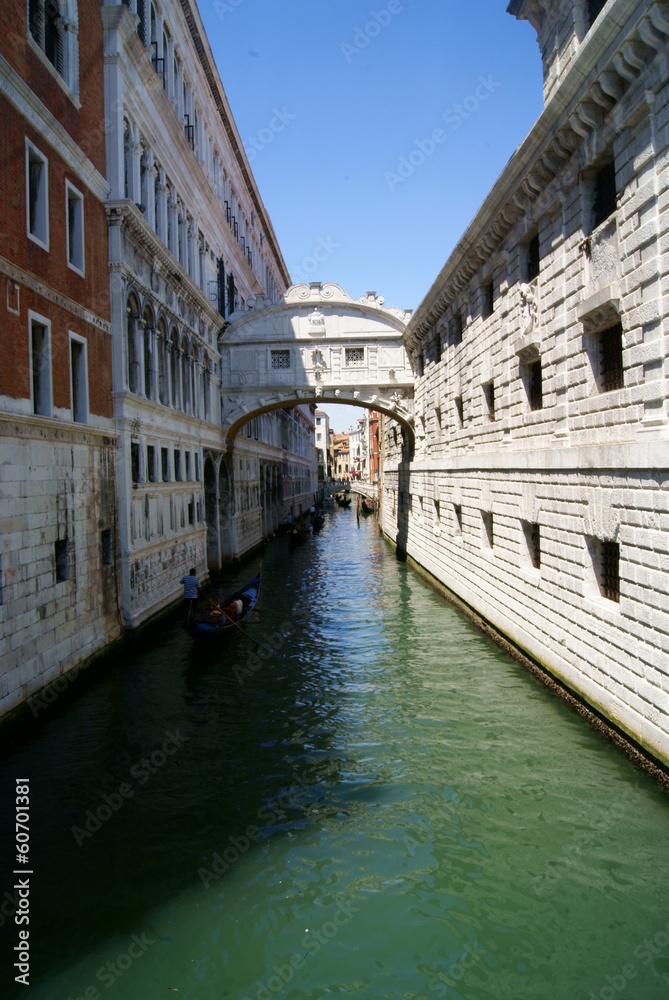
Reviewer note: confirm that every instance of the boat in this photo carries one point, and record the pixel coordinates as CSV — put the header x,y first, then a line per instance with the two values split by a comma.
x,y
299,535
217,617
368,506
342,499
319,521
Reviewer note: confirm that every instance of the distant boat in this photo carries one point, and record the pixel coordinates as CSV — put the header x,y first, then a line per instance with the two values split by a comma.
x,y
343,500
368,506
218,617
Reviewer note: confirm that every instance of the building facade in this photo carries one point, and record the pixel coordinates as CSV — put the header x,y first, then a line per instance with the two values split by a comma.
x,y
538,491
190,244
322,439
59,541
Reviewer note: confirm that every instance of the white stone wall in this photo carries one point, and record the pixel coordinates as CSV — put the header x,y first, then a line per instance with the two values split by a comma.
x,y
590,466
57,483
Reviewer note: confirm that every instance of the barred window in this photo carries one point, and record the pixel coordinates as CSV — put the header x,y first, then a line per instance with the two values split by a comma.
x,y
280,360
355,357
611,346
610,571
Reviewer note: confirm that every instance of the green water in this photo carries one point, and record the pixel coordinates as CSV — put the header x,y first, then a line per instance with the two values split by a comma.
x,y
387,806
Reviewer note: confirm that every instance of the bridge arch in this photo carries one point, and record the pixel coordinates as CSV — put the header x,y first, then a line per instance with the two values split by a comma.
x,y
317,345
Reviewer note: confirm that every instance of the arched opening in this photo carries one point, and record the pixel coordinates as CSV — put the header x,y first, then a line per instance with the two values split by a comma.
x,y
132,319
211,515
185,376
175,373
149,353
162,348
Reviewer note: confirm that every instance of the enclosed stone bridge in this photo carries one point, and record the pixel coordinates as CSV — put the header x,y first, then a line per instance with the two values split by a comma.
x,y
317,345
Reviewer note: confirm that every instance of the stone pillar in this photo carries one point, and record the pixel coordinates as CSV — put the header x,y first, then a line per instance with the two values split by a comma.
x,y
139,355
149,188
155,364
135,166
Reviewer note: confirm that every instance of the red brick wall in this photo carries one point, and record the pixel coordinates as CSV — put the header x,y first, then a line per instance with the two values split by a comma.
x,y
86,126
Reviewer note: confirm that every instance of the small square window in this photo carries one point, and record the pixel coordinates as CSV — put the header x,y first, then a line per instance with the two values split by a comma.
x,y
489,395
488,536
75,228
488,295
280,360
532,533
354,357
62,555
611,358
532,258
37,195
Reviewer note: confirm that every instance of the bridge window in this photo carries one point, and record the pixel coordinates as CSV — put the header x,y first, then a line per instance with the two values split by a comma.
x,y
488,536
355,357
457,511
532,534
280,360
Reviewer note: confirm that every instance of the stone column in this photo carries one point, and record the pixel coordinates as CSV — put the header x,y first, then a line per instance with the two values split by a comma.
x,y
149,188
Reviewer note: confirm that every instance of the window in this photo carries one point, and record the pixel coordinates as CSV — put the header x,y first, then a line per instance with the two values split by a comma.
x,y
610,570
107,547
534,384
191,512
611,358
437,510
135,464
489,395
532,534
165,464
488,537
151,463
595,8
459,411
605,197
457,510
488,295
75,228
455,327
437,345
197,467
62,557
188,475
79,378
532,258
280,360
177,465
354,357
45,25
37,195
40,365
2,593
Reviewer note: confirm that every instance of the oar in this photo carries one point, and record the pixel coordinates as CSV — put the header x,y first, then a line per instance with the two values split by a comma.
x,y
233,622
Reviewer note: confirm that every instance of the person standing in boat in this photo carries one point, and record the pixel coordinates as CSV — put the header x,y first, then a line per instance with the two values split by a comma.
x,y
191,586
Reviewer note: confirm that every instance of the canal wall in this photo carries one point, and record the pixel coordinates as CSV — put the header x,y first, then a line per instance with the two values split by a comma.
x,y
537,486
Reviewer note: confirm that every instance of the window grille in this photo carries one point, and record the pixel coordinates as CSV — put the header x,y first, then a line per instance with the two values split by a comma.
x,y
280,360
611,346
189,131
355,357
611,571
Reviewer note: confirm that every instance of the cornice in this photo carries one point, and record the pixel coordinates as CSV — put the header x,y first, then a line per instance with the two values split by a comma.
x,y
19,94
231,132
610,61
28,280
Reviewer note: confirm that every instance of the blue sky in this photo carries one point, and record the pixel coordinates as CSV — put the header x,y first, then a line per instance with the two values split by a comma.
x,y
375,130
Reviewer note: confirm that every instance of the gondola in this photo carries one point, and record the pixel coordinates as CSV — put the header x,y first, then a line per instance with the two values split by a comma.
x,y
368,506
342,499
298,536
319,521
216,618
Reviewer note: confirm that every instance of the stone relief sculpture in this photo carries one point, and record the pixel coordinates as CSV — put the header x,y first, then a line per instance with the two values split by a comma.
x,y
529,308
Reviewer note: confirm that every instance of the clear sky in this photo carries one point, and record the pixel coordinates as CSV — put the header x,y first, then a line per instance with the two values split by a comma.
x,y
375,130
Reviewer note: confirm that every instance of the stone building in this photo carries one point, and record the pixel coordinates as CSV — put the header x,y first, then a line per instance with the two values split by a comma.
x,y
59,534
538,491
190,243
322,440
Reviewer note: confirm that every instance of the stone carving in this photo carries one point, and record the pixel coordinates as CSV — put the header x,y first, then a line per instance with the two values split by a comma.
x,y
316,323
529,308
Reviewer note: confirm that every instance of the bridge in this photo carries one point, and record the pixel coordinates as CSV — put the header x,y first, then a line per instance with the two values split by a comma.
x,y
317,345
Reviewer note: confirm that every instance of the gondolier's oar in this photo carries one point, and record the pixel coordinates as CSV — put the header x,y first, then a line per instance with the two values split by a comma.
x,y
212,604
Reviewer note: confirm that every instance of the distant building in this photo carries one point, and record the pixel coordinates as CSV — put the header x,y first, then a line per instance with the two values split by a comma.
x,y
373,446
322,438
341,456
60,544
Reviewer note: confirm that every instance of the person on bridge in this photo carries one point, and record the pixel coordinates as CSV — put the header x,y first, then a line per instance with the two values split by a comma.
x,y
191,586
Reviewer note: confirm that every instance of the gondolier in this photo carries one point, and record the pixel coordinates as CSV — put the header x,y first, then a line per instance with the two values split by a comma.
x,y
191,586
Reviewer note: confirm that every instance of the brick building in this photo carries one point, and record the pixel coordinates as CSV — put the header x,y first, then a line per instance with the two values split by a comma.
x,y
58,548
538,489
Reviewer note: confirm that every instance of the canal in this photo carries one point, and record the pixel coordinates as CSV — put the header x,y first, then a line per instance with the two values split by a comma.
x,y
382,804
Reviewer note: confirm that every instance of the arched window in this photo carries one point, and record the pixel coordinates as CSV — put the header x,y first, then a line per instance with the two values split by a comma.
x,y
149,353
163,382
132,318
175,371
185,379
